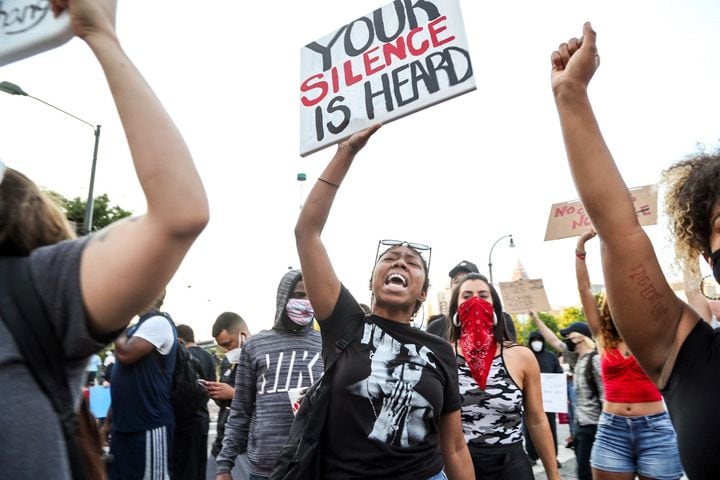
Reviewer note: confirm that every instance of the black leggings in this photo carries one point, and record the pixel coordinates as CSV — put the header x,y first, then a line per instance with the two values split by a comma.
x,y
501,462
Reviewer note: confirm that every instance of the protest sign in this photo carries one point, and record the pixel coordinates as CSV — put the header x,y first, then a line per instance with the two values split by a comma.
x,y
568,219
522,296
399,59
554,392
28,27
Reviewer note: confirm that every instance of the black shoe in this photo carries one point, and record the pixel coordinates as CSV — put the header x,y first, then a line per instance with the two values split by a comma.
x,y
559,464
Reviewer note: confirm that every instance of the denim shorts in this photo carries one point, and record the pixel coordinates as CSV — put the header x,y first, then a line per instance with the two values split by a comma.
x,y
646,445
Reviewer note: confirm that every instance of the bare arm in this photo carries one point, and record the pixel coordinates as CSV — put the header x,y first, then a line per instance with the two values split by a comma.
x,y
592,314
127,265
129,351
549,336
458,464
645,310
323,286
535,417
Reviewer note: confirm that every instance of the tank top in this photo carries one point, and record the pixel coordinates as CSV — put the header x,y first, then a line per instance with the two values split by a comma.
x,y
625,381
492,416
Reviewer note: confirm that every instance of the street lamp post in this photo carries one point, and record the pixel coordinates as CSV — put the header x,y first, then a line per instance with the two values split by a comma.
x,y
13,89
512,245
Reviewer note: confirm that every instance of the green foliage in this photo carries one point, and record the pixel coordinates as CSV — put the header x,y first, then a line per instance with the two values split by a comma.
x,y
103,213
555,323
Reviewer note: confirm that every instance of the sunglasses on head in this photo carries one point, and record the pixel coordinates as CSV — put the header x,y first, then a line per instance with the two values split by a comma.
x,y
423,250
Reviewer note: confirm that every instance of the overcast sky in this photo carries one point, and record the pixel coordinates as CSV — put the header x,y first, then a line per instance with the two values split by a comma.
x,y
456,176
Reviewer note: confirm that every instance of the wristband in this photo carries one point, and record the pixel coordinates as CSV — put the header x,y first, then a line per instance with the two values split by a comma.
x,y
580,255
329,183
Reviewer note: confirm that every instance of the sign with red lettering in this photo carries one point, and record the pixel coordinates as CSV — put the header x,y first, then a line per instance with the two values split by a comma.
x,y
569,219
522,296
28,27
399,59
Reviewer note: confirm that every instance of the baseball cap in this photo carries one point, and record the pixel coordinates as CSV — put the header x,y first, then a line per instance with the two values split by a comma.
x,y
577,327
463,266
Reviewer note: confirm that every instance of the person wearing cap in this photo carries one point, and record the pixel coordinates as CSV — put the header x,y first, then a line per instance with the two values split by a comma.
x,y
578,349
439,327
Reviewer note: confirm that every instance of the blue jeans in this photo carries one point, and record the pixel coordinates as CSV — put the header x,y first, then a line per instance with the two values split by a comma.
x,y
256,477
646,445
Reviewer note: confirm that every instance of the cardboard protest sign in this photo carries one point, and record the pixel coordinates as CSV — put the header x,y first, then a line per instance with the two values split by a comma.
x,y
568,219
522,296
28,27
399,59
554,392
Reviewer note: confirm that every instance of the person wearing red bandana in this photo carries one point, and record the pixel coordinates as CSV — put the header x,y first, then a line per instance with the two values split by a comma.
x,y
499,386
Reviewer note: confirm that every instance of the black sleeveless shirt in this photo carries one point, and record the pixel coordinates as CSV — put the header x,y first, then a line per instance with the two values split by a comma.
x,y
693,396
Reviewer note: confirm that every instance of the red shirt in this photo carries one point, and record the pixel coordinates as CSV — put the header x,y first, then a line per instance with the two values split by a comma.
x,y
625,381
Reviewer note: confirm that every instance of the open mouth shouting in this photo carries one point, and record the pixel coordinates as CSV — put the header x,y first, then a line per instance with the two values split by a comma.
x,y
396,282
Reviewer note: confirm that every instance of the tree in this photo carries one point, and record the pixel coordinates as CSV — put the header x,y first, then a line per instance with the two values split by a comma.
x,y
103,213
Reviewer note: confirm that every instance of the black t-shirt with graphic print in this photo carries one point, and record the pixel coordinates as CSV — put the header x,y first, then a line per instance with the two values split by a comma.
x,y
391,388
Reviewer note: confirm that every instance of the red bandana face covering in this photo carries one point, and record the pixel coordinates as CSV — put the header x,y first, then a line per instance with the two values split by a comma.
x,y
476,337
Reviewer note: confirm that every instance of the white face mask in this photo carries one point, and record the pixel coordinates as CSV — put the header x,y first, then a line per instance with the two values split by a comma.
x,y
536,346
233,355
300,311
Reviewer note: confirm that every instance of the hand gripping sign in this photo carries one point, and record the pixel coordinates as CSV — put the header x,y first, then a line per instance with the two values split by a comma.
x,y
28,27
401,58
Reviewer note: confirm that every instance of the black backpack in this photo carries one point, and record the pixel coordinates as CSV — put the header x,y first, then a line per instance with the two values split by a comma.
x,y
299,458
187,395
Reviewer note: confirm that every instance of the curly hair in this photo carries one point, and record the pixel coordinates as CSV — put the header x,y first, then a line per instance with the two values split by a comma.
x,y
609,336
693,188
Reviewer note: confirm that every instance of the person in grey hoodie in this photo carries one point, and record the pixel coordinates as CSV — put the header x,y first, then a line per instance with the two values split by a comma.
x,y
273,364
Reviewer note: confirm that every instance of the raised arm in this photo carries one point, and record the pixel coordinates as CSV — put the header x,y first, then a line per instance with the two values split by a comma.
x,y
592,313
549,336
321,283
127,265
646,311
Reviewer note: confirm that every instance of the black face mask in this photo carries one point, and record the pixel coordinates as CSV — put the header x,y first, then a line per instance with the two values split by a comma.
x,y
715,259
570,345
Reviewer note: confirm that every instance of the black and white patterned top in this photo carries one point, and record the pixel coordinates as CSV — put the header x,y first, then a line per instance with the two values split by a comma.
x,y
492,416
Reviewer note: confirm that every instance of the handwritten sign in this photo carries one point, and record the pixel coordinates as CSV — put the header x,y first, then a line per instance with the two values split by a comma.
x,y
524,295
28,27
399,59
569,219
554,392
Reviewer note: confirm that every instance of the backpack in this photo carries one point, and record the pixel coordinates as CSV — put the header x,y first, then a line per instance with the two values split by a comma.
x,y
187,394
590,376
299,458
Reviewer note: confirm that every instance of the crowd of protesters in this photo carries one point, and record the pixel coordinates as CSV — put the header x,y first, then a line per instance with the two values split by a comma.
x,y
461,402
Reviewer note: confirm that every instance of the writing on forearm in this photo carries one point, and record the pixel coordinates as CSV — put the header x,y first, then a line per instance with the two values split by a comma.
x,y
648,292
